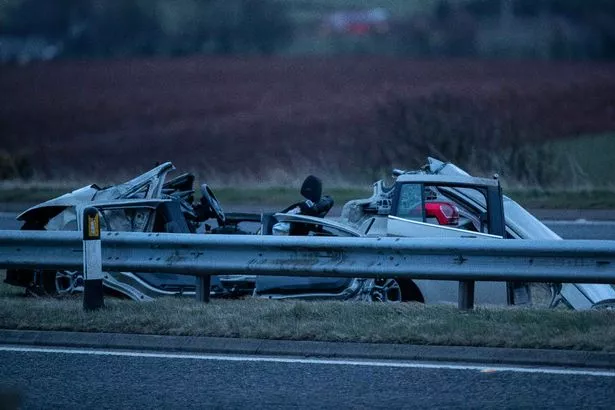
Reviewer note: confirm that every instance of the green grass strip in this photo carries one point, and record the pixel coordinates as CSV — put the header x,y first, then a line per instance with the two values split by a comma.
x,y
551,199
30,194
325,321
529,198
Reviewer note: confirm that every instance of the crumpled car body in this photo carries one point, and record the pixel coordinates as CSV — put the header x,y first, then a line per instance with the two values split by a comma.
x,y
520,224
410,209
147,203
438,200
402,209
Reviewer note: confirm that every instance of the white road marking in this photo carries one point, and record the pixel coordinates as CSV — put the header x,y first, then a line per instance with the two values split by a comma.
x,y
411,365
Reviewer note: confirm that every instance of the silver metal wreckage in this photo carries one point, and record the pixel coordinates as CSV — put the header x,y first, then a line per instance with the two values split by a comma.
x,y
438,200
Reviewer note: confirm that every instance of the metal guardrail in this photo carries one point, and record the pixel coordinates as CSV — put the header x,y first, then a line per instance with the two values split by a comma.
x,y
464,260
571,261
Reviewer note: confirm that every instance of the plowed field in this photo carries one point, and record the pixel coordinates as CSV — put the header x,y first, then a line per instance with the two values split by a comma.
x,y
232,117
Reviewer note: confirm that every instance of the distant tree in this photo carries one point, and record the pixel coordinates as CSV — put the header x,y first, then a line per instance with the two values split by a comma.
x,y
260,26
596,17
116,28
136,27
443,10
50,19
264,26
455,29
483,8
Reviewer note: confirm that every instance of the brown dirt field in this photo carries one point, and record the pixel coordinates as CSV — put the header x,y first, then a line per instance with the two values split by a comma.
x,y
228,117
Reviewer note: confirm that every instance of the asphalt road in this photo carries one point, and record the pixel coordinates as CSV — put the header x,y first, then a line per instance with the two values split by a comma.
x,y
567,229
80,379
583,229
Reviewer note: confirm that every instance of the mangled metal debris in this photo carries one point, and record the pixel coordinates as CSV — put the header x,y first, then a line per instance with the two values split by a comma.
x,y
439,200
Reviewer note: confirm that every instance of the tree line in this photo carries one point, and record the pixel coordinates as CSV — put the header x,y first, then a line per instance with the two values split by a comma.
x,y
100,28
580,29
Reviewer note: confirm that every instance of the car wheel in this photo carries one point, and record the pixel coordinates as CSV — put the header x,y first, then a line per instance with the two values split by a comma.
x,y
58,283
386,290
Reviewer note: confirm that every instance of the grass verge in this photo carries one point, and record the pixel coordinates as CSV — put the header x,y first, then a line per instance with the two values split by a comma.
x,y
278,196
591,155
325,321
561,199
281,197
30,194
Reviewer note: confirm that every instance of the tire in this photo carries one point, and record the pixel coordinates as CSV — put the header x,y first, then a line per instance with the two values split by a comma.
x,y
57,283
386,290
392,290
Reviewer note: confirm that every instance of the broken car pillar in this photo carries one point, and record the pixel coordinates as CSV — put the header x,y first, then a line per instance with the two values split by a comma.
x,y
92,261
466,295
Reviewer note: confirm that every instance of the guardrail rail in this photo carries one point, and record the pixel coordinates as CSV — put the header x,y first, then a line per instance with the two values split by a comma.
x,y
463,260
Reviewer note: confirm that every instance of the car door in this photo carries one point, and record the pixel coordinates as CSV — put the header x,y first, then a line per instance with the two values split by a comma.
x,y
412,217
298,286
144,216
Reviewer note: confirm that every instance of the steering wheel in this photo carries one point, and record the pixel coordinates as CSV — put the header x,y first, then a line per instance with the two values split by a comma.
x,y
209,200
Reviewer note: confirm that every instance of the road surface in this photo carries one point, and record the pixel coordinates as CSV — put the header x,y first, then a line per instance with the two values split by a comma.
x,y
84,379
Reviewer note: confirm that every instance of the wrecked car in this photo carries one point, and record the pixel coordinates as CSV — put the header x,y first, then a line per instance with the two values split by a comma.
x,y
147,203
439,200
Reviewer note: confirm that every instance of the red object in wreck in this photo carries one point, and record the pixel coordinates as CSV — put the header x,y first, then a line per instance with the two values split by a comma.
x,y
445,212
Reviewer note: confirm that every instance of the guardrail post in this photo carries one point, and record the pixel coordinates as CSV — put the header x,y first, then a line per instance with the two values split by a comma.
x,y
466,294
93,298
510,293
203,287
